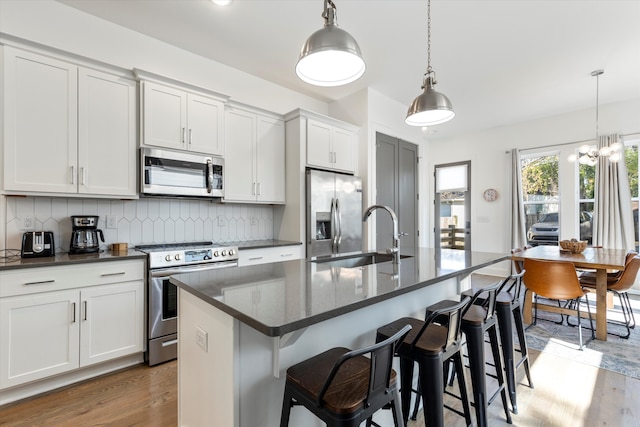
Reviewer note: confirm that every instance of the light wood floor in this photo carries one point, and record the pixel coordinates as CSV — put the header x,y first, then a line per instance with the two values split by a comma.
x,y
566,393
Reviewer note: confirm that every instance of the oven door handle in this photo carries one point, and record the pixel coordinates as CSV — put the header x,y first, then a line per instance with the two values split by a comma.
x,y
165,272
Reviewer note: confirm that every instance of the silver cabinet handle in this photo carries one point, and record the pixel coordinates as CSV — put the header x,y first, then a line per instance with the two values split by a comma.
x,y
254,189
184,135
42,282
84,303
169,342
83,176
73,174
255,258
286,255
259,188
190,136
119,273
73,306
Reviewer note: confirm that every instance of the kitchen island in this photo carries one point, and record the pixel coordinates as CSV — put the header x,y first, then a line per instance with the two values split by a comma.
x,y
241,328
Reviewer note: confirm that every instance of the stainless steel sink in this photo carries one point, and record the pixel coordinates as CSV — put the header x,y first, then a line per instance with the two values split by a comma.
x,y
357,260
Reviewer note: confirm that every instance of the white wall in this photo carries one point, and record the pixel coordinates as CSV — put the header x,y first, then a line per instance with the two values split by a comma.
x,y
490,163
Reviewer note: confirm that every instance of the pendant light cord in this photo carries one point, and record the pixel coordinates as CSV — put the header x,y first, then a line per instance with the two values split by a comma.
x,y
428,37
325,15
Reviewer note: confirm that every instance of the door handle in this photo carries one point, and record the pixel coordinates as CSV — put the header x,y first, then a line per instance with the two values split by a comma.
x,y
184,135
73,308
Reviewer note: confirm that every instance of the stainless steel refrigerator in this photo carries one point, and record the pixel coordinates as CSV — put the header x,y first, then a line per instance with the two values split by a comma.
x,y
334,213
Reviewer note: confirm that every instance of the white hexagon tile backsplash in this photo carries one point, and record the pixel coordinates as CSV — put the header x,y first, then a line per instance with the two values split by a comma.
x,y
143,221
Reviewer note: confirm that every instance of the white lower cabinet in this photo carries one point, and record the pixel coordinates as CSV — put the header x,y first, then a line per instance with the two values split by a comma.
x,y
111,322
50,331
266,255
39,336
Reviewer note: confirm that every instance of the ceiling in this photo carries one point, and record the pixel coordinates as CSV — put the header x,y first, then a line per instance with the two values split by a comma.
x,y
499,61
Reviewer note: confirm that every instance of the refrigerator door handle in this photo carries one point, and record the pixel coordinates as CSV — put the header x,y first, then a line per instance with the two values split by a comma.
x,y
339,221
334,225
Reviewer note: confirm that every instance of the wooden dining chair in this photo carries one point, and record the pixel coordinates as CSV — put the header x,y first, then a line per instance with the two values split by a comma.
x,y
619,284
558,281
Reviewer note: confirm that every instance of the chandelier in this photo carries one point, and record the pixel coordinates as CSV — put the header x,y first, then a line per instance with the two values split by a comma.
x,y
589,154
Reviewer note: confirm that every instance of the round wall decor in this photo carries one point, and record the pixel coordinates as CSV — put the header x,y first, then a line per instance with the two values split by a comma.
x,y
490,195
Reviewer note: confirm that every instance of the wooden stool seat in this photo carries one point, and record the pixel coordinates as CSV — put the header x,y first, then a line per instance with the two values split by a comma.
x,y
347,391
344,387
430,342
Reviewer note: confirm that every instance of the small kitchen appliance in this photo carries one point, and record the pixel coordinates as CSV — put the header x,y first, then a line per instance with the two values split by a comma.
x,y
162,305
37,244
85,234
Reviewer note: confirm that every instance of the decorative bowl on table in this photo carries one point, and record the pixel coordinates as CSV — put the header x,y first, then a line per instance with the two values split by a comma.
x,y
574,246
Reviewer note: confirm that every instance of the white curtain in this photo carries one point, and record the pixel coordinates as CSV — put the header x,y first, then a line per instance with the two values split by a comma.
x,y
613,216
518,223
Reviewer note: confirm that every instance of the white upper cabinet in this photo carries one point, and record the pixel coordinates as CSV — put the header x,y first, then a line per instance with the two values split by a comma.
x,y
178,119
67,129
254,157
40,123
330,146
106,134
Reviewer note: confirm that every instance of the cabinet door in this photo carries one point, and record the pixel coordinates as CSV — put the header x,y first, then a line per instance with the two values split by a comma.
x,y
270,166
239,163
40,123
39,336
205,120
343,144
164,116
107,134
112,319
319,151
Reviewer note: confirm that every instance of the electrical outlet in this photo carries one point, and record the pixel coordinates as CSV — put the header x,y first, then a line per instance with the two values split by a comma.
x,y
202,338
112,221
222,221
27,223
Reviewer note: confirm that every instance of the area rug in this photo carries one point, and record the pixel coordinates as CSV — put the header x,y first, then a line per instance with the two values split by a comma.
x,y
616,354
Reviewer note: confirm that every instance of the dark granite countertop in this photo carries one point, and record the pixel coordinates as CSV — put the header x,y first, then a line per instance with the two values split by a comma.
x,y
66,259
286,296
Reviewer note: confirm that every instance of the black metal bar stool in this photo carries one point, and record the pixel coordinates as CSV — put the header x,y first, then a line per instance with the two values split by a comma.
x,y
509,313
480,319
430,343
343,387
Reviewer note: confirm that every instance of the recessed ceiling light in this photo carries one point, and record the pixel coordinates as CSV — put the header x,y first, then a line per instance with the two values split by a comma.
x,y
221,2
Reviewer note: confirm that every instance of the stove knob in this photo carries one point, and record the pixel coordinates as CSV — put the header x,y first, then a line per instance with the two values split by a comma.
x,y
216,254
224,252
178,257
167,258
231,252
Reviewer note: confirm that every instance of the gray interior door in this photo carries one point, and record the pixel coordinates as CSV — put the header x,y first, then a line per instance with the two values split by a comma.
x,y
397,187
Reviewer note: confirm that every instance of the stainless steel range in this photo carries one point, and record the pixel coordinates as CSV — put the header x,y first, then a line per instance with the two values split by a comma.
x,y
164,261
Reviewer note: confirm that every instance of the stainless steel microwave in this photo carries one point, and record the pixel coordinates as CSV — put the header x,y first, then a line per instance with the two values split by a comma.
x,y
180,174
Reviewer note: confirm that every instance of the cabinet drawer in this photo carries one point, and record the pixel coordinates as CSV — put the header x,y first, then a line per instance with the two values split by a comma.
x,y
44,279
266,255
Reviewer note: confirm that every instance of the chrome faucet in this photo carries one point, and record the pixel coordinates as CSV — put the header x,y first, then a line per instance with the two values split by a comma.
x,y
395,250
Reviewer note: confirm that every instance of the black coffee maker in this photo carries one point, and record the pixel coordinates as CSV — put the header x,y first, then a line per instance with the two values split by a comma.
x,y
84,234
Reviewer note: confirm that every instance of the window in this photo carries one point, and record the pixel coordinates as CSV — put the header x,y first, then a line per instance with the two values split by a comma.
x,y
541,198
587,182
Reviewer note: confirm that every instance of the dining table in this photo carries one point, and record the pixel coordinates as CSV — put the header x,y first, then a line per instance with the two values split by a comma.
x,y
592,258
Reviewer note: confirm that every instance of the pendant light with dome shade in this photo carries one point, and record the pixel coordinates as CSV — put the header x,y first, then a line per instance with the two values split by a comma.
x,y
430,107
588,154
330,56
